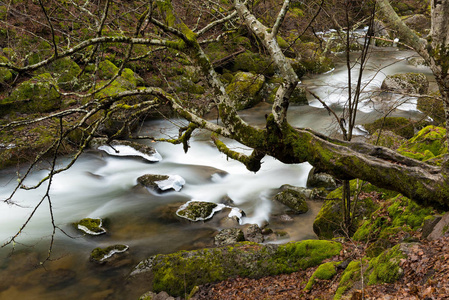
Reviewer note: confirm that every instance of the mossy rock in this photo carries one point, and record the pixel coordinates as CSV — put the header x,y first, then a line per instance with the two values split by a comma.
x,y
184,84
329,221
101,255
91,226
41,51
229,236
5,74
294,200
324,272
317,63
395,214
433,107
197,210
33,96
132,77
66,71
387,139
253,62
106,69
416,83
399,125
177,273
150,180
350,276
244,88
428,143
419,23
381,269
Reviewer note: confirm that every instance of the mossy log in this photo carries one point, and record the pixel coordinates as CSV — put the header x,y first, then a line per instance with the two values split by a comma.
x,y
177,273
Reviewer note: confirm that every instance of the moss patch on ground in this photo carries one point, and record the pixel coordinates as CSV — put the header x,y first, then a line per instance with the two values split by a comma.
x,y
324,272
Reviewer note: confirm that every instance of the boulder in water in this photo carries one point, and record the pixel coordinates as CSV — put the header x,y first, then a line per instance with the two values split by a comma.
x,y
294,200
253,233
91,226
102,255
162,182
126,149
415,83
198,210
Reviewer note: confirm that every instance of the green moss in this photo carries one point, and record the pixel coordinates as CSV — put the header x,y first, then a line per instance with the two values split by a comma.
x,y
317,63
101,254
406,212
387,139
197,210
400,126
324,272
188,86
294,200
396,214
253,62
66,72
244,88
329,221
382,269
32,96
93,225
106,69
385,268
177,273
349,276
293,256
427,143
132,77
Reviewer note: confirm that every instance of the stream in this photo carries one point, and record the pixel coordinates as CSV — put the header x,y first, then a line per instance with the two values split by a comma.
x,y
98,185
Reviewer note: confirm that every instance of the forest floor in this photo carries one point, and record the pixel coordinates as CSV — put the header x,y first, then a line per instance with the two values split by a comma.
x,y
425,276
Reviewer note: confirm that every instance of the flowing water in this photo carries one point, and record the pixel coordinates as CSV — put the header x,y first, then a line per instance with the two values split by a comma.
x,y
99,185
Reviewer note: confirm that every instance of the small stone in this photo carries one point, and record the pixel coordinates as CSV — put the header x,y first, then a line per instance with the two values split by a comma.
x,y
253,233
229,236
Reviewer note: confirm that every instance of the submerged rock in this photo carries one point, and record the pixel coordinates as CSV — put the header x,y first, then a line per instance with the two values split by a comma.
x,y
58,278
126,149
101,255
91,226
162,182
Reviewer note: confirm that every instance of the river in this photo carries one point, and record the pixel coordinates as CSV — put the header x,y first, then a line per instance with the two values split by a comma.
x,y
99,185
